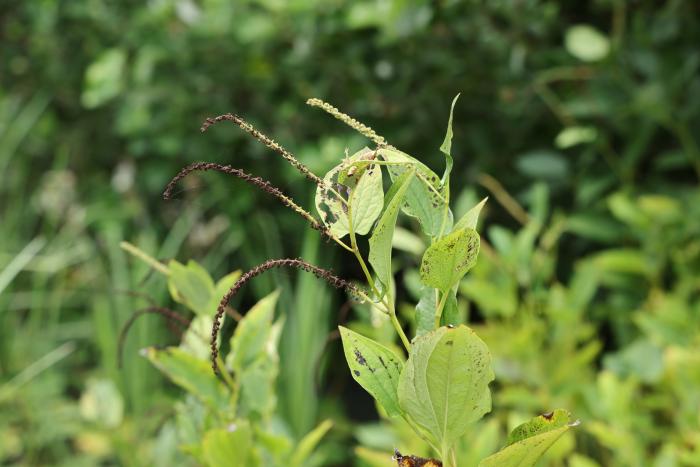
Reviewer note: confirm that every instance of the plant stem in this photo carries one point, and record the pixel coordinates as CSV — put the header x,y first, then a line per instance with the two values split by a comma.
x,y
226,377
438,312
388,304
143,256
419,433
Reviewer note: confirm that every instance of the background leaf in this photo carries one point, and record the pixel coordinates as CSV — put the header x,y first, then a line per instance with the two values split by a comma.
x,y
529,441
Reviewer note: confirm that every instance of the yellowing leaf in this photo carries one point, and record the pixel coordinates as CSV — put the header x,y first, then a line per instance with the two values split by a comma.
x,y
446,261
529,441
352,195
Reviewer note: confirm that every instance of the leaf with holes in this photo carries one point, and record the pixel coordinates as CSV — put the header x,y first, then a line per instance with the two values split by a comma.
x,y
425,198
529,441
444,384
374,367
352,192
381,239
446,261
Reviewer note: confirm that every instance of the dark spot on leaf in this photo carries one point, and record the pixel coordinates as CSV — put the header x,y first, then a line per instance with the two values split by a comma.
x,y
449,343
357,373
548,416
360,359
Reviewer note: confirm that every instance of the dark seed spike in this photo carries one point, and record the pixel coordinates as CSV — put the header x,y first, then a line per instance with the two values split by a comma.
x,y
264,139
168,314
300,264
264,185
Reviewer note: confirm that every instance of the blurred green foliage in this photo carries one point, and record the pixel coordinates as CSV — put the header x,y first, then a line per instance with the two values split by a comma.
x,y
586,113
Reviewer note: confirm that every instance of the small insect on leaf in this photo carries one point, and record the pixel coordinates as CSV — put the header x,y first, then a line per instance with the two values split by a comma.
x,y
413,461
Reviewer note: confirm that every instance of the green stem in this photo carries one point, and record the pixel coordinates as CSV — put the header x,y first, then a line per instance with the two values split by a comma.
x,y
438,312
226,376
419,433
388,304
143,256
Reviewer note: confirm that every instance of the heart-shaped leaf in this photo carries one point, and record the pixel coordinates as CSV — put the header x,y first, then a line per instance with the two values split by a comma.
x,y
444,384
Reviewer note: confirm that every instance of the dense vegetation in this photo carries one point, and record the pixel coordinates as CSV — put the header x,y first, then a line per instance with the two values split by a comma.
x,y
580,121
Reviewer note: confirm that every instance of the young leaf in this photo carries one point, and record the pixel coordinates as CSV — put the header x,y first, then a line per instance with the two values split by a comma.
x,y
191,285
444,384
450,314
425,197
222,286
381,239
191,373
446,147
252,334
352,190
308,443
529,441
257,379
232,446
254,358
470,219
447,260
196,339
374,367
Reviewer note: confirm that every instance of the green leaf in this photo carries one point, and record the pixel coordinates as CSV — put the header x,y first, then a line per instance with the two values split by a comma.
x,y
258,379
196,338
374,367
381,240
529,441
446,261
221,288
352,191
226,447
308,443
104,78
252,334
426,197
446,146
543,164
425,311
444,384
573,135
586,43
254,358
276,446
191,373
470,219
192,286
450,314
